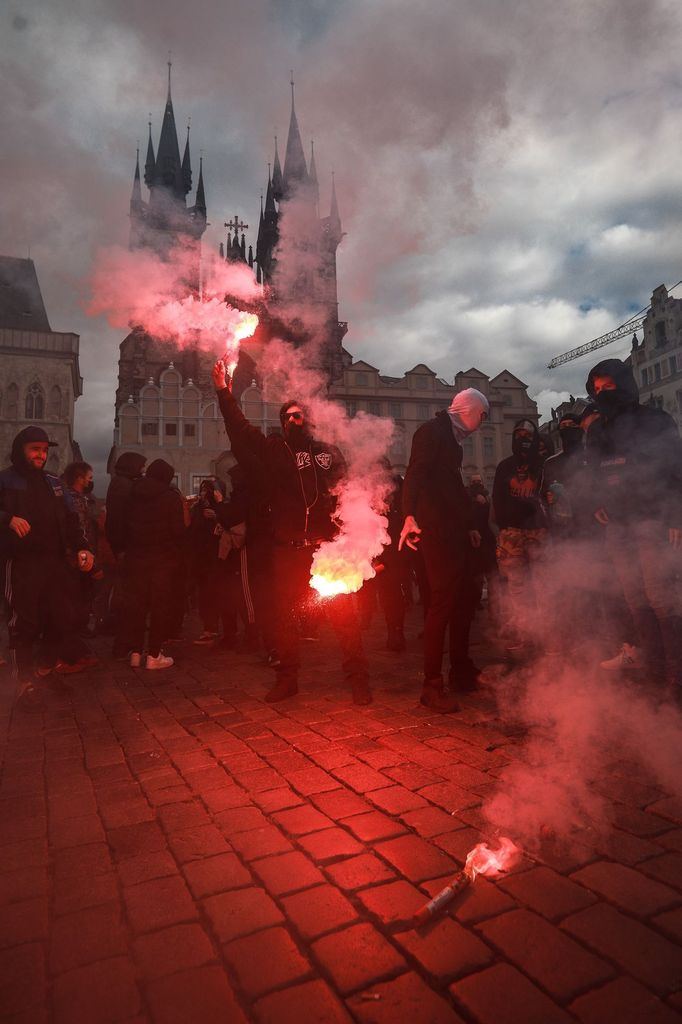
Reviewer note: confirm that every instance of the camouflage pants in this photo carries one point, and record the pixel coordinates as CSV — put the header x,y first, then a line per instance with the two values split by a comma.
x,y
521,558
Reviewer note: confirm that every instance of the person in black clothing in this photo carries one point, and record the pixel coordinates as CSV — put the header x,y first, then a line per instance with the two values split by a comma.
x,y
522,540
38,530
439,518
484,556
203,544
79,484
153,533
635,453
564,479
128,468
302,473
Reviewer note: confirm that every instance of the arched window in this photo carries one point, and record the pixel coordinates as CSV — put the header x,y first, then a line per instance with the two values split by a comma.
x,y
54,406
35,402
11,407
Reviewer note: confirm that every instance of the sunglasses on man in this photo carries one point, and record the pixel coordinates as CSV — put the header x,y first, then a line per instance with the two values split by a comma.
x,y
297,416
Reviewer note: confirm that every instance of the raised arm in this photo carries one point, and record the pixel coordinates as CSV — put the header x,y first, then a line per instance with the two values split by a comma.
x,y
241,433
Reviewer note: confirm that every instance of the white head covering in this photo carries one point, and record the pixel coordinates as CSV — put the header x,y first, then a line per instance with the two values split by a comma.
x,y
466,411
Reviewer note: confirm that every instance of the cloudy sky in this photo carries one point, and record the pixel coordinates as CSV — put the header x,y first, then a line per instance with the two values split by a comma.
x,y
508,174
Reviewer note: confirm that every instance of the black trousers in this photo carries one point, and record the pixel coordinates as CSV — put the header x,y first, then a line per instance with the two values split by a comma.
x,y
37,590
291,570
148,588
451,604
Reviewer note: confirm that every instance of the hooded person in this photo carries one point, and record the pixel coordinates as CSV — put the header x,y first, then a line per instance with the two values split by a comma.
x,y
128,468
302,473
564,482
154,529
204,540
522,521
39,531
635,456
439,521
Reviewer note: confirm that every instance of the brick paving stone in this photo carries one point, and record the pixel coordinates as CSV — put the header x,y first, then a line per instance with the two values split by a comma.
x,y
667,868
203,994
29,853
624,1001
159,903
76,832
382,758
415,858
25,921
300,821
406,998
289,761
260,842
177,948
628,849
98,993
179,816
502,995
329,845
671,840
428,821
341,803
319,910
23,884
640,823
287,873
22,979
194,843
73,894
334,757
277,799
394,903
266,961
360,777
396,799
628,889
146,837
146,866
357,957
445,949
670,923
476,903
240,819
359,872
547,892
545,953
85,936
171,795
669,807
374,826
311,780
449,796
259,780
227,798
216,874
459,842
239,913
312,1001
638,950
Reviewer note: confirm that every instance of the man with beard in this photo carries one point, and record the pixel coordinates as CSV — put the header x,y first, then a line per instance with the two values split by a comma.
x,y
520,516
439,518
302,473
636,454
37,532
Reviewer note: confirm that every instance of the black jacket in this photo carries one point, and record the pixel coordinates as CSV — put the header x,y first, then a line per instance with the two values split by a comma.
x,y
301,483
517,488
37,497
127,469
433,489
635,454
154,526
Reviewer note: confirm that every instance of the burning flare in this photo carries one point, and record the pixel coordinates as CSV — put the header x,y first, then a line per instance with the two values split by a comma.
x,y
490,863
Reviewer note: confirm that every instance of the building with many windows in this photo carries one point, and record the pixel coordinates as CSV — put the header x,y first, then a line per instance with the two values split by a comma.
x,y
657,360
41,378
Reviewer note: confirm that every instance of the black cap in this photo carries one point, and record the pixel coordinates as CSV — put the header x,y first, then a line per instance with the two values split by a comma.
x,y
30,435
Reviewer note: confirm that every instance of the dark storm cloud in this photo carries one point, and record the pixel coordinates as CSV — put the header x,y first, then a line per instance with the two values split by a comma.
x,y
507,176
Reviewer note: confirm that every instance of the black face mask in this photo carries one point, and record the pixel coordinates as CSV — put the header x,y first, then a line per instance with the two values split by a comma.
x,y
609,402
571,438
296,433
523,446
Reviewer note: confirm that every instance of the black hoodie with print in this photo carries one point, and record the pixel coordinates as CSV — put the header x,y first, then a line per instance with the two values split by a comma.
x,y
517,488
634,452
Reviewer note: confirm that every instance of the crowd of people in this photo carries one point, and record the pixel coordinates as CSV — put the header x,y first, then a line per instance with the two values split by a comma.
x,y
572,553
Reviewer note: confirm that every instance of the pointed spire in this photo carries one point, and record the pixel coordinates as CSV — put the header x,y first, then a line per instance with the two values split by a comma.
x,y
277,179
221,251
150,162
334,218
270,208
187,166
168,164
312,175
200,202
251,256
295,170
136,196
242,246
260,238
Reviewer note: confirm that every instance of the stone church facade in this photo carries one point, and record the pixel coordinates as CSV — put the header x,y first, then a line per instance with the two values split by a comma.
x,y
41,378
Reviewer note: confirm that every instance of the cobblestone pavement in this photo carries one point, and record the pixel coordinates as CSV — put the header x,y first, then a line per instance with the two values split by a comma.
x,y
174,850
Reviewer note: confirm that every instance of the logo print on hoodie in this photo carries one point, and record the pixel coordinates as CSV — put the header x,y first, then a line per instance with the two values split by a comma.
x,y
303,460
324,460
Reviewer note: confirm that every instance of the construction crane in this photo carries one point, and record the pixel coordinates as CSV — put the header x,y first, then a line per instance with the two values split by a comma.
x,y
633,324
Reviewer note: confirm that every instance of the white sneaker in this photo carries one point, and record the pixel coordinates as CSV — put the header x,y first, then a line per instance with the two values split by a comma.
x,y
161,661
628,656
135,659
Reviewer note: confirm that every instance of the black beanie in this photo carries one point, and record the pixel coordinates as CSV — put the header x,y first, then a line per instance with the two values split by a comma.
x,y
161,470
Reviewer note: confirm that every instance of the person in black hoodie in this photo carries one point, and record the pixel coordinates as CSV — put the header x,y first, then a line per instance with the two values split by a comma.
x,y
128,468
522,540
439,518
636,457
154,529
302,473
38,531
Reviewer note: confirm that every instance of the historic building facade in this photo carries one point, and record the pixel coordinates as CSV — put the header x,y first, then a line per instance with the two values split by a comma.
x,y
41,378
657,359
